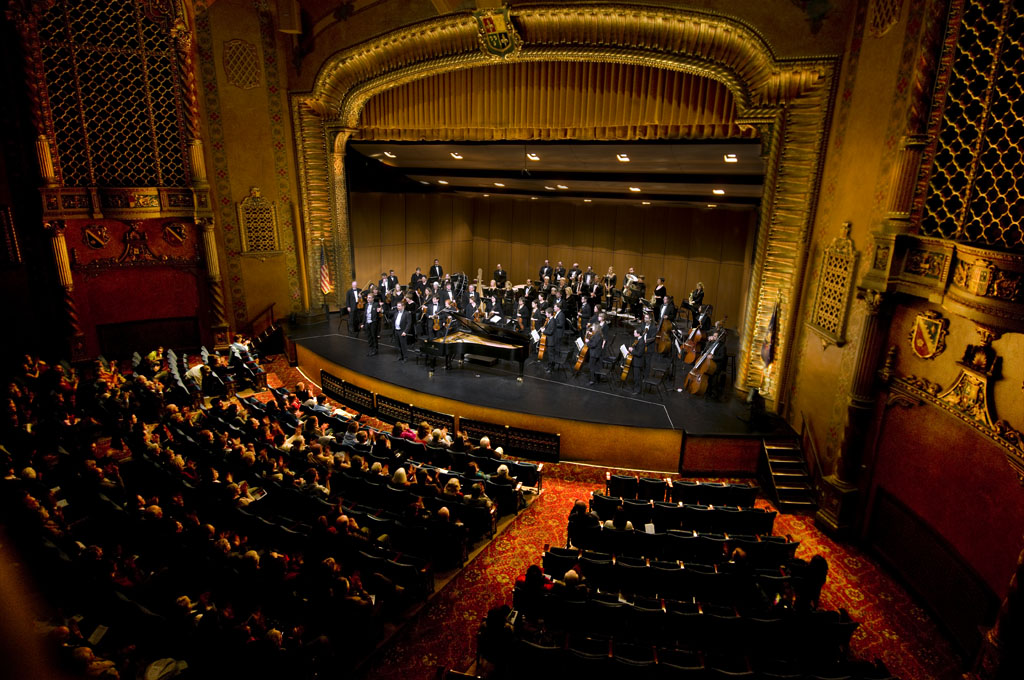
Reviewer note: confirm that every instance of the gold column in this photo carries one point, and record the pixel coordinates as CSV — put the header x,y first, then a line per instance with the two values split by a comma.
x,y
343,256
899,210
45,159
197,162
219,323
76,338
837,511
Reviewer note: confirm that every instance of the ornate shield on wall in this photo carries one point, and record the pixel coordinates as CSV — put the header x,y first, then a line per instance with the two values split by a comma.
x,y
928,335
498,36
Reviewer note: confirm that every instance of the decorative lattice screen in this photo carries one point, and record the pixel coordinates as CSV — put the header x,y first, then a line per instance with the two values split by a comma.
x,y
884,15
838,264
241,64
257,218
114,100
977,180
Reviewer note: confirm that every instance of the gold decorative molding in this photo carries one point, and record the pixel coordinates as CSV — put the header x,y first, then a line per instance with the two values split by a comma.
x,y
788,101
126,203
980,284
137,253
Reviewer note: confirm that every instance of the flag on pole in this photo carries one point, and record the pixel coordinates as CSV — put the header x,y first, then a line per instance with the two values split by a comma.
x,y
768,348
325,275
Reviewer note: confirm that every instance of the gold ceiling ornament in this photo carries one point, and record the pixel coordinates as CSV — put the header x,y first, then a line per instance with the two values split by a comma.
x,y
928,334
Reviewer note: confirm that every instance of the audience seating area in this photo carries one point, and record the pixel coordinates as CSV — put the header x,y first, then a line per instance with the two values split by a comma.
x,y
699,589
241,536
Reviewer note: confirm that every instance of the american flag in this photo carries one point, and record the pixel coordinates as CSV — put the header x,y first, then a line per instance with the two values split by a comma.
x,y
325,274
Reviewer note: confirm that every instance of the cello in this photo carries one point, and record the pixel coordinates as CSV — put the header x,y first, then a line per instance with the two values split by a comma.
x,y
582,356
688,350
628,363
699,377
664,336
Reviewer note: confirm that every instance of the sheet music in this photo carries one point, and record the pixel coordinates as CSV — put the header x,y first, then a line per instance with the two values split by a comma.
x,y
496,318
535,335
624,350
579,344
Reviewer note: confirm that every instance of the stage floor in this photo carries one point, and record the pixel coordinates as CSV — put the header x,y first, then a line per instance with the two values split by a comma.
x,y
541,394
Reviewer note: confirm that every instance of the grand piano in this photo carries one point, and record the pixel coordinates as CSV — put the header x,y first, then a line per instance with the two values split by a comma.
x,y
480,338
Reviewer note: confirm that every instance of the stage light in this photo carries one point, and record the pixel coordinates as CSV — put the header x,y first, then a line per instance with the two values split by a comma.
x,y
390,155
442,181
622,158
730,158
645,202
634,189
549,188
561,186
533,156
718,192
498,184
587,200
456,156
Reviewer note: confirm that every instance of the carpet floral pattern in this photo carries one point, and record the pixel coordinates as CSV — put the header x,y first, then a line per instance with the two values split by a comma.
x,y
894,628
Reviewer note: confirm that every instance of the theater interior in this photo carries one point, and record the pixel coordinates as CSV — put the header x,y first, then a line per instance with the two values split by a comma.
x,y
842,176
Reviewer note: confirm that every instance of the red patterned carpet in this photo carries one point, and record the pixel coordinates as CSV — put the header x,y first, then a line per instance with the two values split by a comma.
x,y
893,627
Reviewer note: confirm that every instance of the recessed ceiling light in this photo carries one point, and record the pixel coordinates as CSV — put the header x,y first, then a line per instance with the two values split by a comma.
x,y
730,158
587,200
456,156
533,156
390,155
634,189
487,195
549,188
533,198
561,186
442,181
498,184
423,181
645,202
718,192
622,158
712,205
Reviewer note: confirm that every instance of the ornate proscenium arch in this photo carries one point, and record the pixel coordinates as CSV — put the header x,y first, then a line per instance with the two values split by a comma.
x,y
788,101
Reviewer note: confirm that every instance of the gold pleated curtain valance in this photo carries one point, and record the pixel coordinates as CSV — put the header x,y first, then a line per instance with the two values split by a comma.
x,y
553,100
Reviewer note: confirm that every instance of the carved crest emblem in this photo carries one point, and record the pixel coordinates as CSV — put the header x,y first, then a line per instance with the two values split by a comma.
x,y
498,37
928,335
175,233
96,236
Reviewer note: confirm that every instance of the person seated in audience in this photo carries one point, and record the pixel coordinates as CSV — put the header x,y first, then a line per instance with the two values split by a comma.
x,y
571,586
502,476
381,446
349,438
530,594
422,433
619,521
426,482
310,482
400,479
477,496
452,492
580,521
484,449
301,392
473,472
93,666
362,444
439,438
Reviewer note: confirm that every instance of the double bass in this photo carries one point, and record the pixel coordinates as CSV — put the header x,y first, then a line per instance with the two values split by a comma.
x,y
664,336
699,377
688,350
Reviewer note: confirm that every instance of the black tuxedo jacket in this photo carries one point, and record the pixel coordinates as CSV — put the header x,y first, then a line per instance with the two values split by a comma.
x,y
352,299
436,271
403,322
500,277
545,271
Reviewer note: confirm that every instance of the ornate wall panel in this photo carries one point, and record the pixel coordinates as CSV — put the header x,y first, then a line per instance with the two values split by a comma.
x,y
977,179
111,81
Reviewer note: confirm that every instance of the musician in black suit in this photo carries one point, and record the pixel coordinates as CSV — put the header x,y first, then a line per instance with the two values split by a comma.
x,y
575,273
553,332
694,303
448,294
351,303
589,276
641,365
545,270
403,328
720,354
392,280
370,318
436,272
434,308
523,313
415,279
500,276
667,309
595,346
559,271
586,311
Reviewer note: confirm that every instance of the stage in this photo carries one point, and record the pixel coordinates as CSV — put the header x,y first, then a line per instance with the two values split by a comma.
x,y
604,424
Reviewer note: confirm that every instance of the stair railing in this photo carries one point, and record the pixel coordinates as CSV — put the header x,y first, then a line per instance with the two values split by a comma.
x,y
808,441
261,321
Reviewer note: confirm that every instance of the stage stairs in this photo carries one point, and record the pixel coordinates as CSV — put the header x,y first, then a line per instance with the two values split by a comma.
x,y
786,474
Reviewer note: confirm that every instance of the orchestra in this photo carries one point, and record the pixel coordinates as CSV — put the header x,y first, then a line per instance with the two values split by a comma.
x,y
577,304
